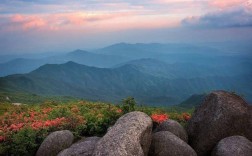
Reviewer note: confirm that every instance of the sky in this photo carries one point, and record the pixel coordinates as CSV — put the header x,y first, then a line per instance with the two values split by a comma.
x,y
35,26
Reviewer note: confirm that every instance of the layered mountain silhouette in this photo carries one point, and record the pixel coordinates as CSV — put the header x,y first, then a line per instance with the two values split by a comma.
x,y
23,65
158,74
113,84
121,53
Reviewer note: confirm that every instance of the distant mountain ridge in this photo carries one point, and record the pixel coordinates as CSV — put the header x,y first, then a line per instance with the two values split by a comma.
x,y
158,74
112,85
23,65
121,53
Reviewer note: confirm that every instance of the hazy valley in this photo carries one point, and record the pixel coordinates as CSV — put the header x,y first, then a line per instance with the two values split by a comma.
x,y
155,74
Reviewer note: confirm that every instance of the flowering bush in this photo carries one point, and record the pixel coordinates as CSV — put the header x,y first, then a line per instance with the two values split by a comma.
x,y
82,118
186,116
159,118
23,128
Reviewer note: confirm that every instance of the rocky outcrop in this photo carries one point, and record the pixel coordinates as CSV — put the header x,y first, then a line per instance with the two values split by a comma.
x,y
221,126
164,143
173,127
249,133
233,146
222,114
55,142
83,147
130,136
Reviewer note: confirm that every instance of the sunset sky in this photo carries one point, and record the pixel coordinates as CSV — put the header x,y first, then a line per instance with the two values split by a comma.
x,y
28,26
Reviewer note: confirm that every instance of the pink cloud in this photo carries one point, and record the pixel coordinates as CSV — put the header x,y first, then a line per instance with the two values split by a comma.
x,y
17,18
86,21
34,23
79,18
226,3
113,16
25,22
20,22
139,22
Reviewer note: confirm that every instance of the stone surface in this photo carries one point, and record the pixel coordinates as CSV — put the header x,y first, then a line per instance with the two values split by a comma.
x,y
84,147
130,136
233,146
173,127
222,114
55,142
165,143
249,130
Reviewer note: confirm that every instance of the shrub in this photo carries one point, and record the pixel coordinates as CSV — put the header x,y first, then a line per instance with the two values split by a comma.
x,y
24,142
128,105
59,113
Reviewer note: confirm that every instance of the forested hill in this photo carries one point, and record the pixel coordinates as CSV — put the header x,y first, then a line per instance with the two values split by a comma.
x,y
113,84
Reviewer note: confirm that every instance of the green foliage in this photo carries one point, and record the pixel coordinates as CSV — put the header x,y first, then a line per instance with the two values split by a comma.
x,y
128,105
99,121
24,142
49,103
4,107
59,113
4,146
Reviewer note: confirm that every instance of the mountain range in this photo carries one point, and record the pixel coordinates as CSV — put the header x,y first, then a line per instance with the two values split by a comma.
x,y
155,74
122,52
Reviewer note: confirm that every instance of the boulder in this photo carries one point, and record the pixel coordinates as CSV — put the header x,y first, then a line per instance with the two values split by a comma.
x,y
233,146
249,133
173,127
83,147
55,142
130,136
221,115
165,143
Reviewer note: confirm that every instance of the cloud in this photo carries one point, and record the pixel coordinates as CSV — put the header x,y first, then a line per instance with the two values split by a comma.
x,y
11,23
54,21
227,3
235,17
85,21
28,22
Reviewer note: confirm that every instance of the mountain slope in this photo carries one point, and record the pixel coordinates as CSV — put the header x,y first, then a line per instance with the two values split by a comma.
x,y
188,70
114,84
82,81
23,65
193,101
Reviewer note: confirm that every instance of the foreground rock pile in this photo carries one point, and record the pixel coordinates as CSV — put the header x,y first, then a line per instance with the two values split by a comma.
x,y
221,115
221,126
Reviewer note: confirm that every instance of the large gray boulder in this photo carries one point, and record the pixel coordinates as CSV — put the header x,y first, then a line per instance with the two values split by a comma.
x,y
249,133
83,147
233,146
55,142
130,136
173,127
165,143
222,114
